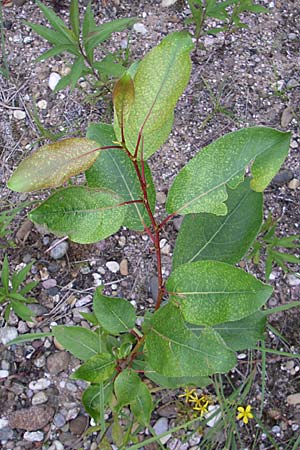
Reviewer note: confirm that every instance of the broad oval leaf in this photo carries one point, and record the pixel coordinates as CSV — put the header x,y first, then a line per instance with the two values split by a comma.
x,y
159,81
97,369
53,164
81,342
223,238
122,177
212,292
123,98
84,215
116,315
173,350
96,397
201,184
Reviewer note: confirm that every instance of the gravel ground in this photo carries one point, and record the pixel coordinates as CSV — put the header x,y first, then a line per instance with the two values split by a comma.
x,y
255,77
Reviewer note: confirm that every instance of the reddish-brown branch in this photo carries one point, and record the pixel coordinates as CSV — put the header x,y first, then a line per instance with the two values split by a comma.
x,y
107,147
166,220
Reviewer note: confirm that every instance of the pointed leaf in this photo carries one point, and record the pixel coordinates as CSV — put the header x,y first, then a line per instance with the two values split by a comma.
x,y
22,311
53,164
74,17
5,274
212,292
96,398
28,337
56,22
81,342
174,351
76,71
20,276
104,31
88,26
109,67
115,315
97,369
201,185
50,35
56,51
222,238
123,98
176,382
84,215
122,177
160,80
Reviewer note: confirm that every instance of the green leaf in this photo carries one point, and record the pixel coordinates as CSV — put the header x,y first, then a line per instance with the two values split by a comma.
x,y
97,369
116,315
212,292
84,215
286,257
53,164
56,22
95,399
28,287
5,274
51,36
88,26
21,310
201,184
122,177
287,242
76,71
81,342
63,83
123,98
174,351
130,390
28,337
109,67
222,238
176,382
74,17
104,31
20,276
159,81
56,51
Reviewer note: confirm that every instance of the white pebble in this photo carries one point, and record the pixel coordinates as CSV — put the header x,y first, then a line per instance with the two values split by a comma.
x,y
140,28
113,266
34,436
211,412
42,104
53,80
4,373
39,385
7,334
3,423
19,114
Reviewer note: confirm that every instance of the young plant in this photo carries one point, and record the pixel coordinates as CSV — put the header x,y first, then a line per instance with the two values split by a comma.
x,y
195,332
228,12
13,294
269,243
80,42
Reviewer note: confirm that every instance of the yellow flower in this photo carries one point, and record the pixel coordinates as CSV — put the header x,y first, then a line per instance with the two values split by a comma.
x,y
244,414
190,396
202,408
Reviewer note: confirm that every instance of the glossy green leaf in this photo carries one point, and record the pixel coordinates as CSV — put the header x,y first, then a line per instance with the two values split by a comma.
x,y
123,98
122,177
76,71
53,164
174,351
50,35
159,81
79,341
201,184
97,369
212,292
74,17
96,397
22,310
83,214
130,390
115,315
56,22
223,238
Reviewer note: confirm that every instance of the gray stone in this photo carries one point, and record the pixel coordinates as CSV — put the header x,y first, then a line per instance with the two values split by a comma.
x,y
50,283
59,250
39,398
113,266
34,436
293,280
283,177
3,423
53,80
19,114
6,433
7,334
31,419
39,385
286,117
78,425
4,373
140,28
59,420
58,362
153,287
160,427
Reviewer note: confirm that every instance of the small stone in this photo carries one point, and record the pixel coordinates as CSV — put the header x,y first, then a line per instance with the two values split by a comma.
x,y
31,419
140,28
19,114
166,250
293,280
56,445
50,283
44,274
7,334
292,36
78,425
34,436
294,184
42,104
26,258
161,197
162,243
177,223
39,385
59,420
83,301
58,362
295,427
113,266
57,344
40,362
59,250
53,80
72,413
283,177
122,241
169,410
211,412
154,287
28,39
293,399
6,433
166,3
286,117
161,426
292,83
53,268
39,398
276,430
4,373
97,279
124,267
3,423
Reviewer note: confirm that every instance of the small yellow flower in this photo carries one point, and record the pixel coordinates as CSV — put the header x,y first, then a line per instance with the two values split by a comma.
x,y
190,395
202,408
244,414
